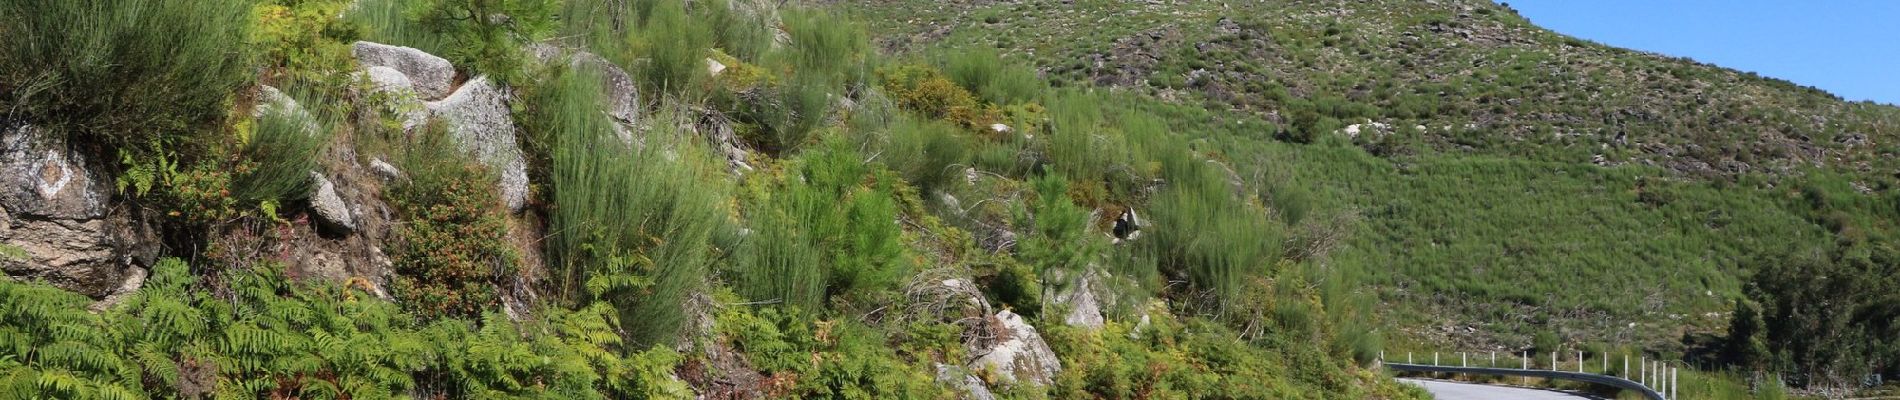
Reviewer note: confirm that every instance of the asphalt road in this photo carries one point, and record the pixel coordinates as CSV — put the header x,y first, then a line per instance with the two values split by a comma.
x,y
1466,391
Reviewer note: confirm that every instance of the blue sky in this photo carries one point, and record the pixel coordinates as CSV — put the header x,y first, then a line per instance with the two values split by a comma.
x,y
1848,47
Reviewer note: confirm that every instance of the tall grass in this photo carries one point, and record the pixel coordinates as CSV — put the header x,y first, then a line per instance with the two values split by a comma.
x,y
1080,144
741,28
928,153
122,72
634,225
282,150
780,263
396,22
824,235
986,74
671,49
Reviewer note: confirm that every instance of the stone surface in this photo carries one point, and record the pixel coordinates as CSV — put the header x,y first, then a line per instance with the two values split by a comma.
x,y
40,176
431,76
968,386
331,212
389,173
54,207
1019,354
399,96
1078,295
480,122
622,96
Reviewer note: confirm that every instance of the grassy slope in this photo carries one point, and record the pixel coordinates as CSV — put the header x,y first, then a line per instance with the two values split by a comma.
x,y
1500,223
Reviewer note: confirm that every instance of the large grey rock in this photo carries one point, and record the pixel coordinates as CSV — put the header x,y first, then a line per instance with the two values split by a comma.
x,y
54,207
432,76
44,178
623,98
332,213
480,122
389,173
1078,295
1019,354
399,96
968,386
274,102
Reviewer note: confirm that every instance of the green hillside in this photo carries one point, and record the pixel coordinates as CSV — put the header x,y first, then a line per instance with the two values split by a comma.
x,y
872,199
1503,186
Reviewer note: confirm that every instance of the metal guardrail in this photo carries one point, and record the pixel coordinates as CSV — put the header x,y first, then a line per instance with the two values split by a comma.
x,y
1606,380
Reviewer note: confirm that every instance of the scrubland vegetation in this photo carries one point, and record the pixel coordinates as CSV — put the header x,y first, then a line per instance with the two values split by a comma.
x,y
884,176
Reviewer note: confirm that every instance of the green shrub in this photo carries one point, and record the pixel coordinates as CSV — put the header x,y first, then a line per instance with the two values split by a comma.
x,y
779,265
1212,241
928,154
258,334
126,72
454,254
984,73
634,224
927,91
823,236
841,359
481,36
740,28
281,151
671,49
51,348
827,46
1079,143
305,38
1059,242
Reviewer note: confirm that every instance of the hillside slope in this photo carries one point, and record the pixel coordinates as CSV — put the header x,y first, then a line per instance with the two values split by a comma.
x,y
1498,180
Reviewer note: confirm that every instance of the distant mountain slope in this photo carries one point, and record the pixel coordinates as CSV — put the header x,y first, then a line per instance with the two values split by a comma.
x,y
1509,182
1475,75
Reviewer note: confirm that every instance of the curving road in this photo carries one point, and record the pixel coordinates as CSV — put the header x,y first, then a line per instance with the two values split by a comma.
x,y
1468,391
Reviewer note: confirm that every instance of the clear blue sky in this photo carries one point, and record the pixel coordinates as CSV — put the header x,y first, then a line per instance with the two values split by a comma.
x,y
1848,47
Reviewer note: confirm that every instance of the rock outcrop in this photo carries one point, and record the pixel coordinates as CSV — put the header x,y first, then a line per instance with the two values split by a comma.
x,y
1079,297
331,212
431,76
399,96
1019,354
481,123
57,210
968,386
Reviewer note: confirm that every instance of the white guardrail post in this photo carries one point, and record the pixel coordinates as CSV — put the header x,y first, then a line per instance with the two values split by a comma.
x,y
1527,367
1655,376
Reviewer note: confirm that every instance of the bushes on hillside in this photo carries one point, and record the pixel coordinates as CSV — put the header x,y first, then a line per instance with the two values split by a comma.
x,y
928,154
986,74
825,235
454,255
261,335
670,48
1059,242
280,152
634,224
122,73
